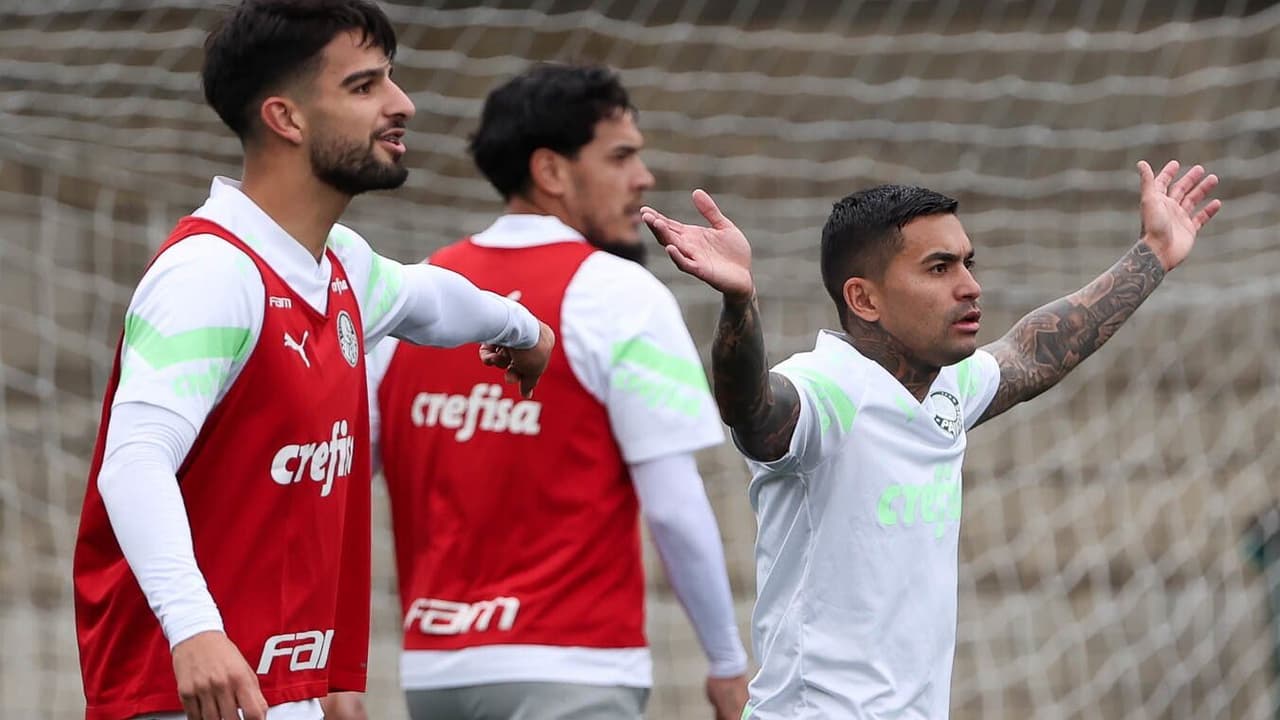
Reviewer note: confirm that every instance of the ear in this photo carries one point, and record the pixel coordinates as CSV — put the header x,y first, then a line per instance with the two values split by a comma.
x,y
862,299
549,171
283,118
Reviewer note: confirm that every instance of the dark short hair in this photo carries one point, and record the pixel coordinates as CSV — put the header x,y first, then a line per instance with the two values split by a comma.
x,y
551,106
864,232
262,45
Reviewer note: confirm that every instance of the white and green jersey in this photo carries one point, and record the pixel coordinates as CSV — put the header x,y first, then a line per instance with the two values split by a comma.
x,y
856,557
193,321
197,313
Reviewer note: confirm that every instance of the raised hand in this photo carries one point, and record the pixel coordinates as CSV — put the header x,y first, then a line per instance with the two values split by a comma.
x,y
718,255
1170,219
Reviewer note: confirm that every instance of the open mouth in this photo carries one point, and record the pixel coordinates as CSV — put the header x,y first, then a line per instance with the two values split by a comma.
x,y
393,141
970,321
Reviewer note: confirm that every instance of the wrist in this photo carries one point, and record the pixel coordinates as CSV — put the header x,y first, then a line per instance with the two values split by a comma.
x,y
1146,246
740,299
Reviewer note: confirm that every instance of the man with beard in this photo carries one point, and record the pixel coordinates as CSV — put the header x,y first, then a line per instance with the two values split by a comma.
x,y
516,529
228,500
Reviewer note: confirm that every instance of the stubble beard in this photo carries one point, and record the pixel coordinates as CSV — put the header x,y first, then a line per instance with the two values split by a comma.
x,y
352,169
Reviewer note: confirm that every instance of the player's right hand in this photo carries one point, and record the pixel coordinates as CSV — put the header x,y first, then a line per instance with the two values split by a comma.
x,y
214,681
523,366
718,255
728,696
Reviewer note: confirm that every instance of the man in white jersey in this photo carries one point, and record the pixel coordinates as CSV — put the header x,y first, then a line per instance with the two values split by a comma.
x,y
618,417
306,86
855,447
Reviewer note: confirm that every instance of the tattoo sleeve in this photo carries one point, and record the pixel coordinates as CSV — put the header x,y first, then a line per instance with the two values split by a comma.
x,y
1050,341
761,407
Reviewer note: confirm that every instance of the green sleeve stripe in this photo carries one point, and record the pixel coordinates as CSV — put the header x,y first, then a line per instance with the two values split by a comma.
x,y
674,368
830,391
965,381
385,282
161,351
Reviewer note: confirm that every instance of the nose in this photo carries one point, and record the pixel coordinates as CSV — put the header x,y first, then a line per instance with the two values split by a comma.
x,y
645,180
399,104
968,289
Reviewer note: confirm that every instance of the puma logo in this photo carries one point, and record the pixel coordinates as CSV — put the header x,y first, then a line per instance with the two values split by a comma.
x,y
297,345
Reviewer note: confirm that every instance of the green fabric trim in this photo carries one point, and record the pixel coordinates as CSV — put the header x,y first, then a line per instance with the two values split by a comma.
x,y
830,391
649,356
160,350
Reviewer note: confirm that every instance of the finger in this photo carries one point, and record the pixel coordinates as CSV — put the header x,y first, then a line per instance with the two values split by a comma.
x,y
250,699
1206,213
1199,193
228,708
705,205
664,229
190,705
682,261
495,357
1166,176
1179,189
1145,174
649,215
209,709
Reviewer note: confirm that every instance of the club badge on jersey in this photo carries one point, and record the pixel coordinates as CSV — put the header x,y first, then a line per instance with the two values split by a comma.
x,y
282,463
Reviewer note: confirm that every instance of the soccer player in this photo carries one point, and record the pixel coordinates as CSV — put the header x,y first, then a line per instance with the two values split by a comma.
x,y
222,561
855,447
516,528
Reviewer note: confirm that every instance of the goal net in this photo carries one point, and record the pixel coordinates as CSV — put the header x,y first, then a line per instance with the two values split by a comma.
x,y
1107,558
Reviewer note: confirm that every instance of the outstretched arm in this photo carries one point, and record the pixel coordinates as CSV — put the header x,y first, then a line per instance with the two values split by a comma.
x,y
1052,340
761,407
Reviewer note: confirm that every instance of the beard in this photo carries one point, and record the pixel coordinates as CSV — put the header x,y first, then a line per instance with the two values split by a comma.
x,y
635,252
351,168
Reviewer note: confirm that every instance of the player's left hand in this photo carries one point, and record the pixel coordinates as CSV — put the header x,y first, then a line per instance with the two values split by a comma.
x,y
728,696
343,706
522,366
1170,219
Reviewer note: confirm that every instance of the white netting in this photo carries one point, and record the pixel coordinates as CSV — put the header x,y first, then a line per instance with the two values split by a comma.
x,y
1102,574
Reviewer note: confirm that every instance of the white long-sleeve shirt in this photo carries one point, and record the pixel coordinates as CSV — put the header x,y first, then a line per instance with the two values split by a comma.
x,y
611,305
192,324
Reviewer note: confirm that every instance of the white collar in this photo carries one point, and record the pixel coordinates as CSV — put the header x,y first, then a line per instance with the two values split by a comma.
x,y
231,208
522,230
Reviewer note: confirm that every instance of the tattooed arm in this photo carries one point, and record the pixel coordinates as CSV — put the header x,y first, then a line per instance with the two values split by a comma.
x,y
1050,341
761,407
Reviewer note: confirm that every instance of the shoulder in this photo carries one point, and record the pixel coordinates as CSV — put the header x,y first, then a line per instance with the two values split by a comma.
x,y
973,374
620,298
201,299
376,280
197,268
610,278
347,243
834,392
207,251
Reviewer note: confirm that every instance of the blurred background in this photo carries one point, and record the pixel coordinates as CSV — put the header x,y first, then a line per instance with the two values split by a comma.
x,y
1111,561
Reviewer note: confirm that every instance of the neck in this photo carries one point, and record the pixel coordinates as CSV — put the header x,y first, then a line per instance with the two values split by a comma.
x,y
537,205
300,203
872,341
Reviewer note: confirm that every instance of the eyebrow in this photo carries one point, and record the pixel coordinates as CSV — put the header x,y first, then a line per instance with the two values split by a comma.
x,y
944,256
362,75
